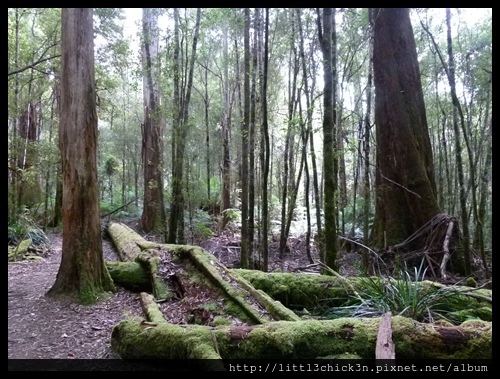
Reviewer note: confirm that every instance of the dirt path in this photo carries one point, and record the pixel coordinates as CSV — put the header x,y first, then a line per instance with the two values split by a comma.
x,y
41,327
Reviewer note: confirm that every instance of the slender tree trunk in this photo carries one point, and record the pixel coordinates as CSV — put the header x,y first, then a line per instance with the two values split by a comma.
x,y
207,139
485,180
366,146
307,134
265,152
456,112
245,258
82,271
14,150
329,255
288,171
251,141
153,215
182,100
226,133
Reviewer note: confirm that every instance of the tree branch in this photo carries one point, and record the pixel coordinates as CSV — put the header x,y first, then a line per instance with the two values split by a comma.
x,y
33,65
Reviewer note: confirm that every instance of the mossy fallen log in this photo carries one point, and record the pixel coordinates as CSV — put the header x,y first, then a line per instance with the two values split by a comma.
x,y
237,289
299,291
307,339
265,337
130,275
20,250
161,292
151,309
125,240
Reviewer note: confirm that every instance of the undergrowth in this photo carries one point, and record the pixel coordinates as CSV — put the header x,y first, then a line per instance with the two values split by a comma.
x,y
405,295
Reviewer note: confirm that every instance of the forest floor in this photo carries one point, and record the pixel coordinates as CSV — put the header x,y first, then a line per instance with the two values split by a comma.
x,y
40,327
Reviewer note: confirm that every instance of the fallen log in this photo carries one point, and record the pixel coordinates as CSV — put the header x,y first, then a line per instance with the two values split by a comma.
x,y
299,291
263,336
256,305
130,275
307,339
125,240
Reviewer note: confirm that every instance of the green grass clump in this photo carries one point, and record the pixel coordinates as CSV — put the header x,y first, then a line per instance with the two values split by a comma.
x,y
405,296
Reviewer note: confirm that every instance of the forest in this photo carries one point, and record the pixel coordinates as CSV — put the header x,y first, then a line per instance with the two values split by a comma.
x,y
336,143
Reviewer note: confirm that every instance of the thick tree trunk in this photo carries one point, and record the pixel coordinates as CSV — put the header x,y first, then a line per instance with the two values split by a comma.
x,y
82,271
405,186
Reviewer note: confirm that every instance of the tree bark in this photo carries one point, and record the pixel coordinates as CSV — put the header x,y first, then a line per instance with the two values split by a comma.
x,y
405,186
330,246
82,272
265,152
153,216
245,257
181,124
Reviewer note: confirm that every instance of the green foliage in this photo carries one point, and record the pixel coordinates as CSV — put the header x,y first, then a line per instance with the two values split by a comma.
x,y
405,296
24,228
111,165
234,215
202,222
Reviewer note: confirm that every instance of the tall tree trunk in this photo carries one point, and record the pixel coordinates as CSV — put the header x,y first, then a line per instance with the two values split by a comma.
x,y
307,133
405,186
366,144
329,255
485,181
82,271
13,204
251,141
265,152
153,215
457,112
244,146
207,138
288,171
182,100
226,133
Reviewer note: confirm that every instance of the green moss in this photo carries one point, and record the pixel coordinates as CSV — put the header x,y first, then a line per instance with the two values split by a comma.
x,y
482,313
298,290
427,341
164,341
471,282
221,321
89,295
346,356
130,275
